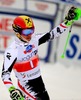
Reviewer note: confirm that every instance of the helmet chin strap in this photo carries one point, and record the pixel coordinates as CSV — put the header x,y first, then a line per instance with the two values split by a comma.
x,y
21,38
24,40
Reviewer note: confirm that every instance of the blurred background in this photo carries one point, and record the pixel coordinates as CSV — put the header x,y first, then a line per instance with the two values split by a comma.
x,y
62,76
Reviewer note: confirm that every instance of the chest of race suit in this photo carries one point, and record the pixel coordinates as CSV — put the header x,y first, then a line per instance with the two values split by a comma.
x,y
26,52
27,64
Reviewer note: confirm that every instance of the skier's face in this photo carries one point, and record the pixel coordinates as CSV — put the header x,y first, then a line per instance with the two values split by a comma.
x,y
27,34
28,37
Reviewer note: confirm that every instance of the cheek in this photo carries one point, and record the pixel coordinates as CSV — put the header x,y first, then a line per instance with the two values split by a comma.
x,y
29,36
26,37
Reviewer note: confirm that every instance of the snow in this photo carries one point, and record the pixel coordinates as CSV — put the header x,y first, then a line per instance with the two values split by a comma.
x,y
62,82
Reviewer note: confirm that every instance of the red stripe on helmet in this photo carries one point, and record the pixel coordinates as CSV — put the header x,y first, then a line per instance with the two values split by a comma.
x,y
20,22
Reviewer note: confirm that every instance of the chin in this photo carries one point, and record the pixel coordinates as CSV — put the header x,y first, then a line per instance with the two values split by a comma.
x,y
28,39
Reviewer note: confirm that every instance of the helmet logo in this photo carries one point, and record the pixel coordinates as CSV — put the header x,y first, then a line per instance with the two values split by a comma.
x,y
28,22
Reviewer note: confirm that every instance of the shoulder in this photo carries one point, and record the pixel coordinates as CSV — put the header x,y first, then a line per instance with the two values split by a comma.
x,y
39,35
10,56
11,50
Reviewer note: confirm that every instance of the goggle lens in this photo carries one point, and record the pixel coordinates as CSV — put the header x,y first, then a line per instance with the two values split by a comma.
x,y
27,31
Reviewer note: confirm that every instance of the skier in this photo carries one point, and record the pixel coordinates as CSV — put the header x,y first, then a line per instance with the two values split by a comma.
x,y
22,57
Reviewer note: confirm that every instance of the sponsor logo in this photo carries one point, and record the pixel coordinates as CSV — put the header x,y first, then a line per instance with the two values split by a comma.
x,y
59,30
29,49
29,56
7,2
23,75
75,51
33,74
41,6
8,56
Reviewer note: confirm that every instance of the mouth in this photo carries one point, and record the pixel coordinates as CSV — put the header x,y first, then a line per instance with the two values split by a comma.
x,y
28,39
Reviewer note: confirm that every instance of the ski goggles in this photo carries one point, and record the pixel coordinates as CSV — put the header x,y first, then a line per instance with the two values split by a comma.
x,y
27,31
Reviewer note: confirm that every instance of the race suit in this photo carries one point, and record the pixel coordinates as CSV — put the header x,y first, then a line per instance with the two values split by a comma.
x,y
23,59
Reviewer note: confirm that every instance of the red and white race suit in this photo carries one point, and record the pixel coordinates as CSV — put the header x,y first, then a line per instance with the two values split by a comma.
x,y
23,59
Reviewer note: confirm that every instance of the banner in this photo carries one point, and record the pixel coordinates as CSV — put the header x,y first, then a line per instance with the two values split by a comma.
x,y
12,4
73,50
46,8
71,2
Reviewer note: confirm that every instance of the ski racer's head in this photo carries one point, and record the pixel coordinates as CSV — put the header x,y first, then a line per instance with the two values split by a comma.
x,y
23,27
